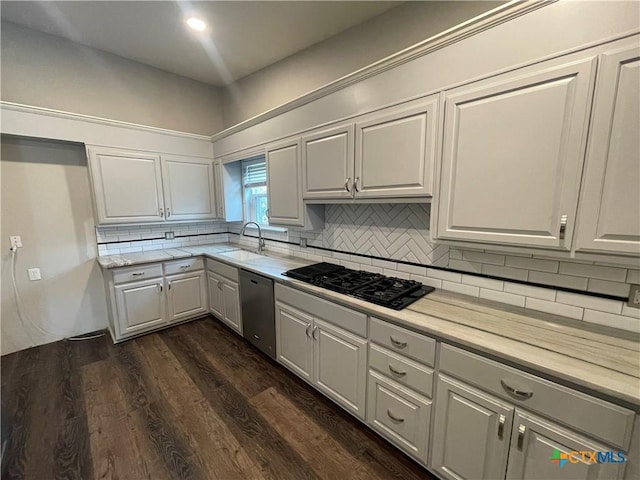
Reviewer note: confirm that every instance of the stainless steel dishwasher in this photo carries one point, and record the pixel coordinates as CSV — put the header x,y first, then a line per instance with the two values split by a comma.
x,y
258,311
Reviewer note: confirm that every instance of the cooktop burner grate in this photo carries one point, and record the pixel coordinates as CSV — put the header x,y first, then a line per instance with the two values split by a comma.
x,y
390,292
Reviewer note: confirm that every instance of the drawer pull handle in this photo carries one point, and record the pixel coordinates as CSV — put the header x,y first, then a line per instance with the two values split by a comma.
x,y
346,184
137,274
169,285
501,421
185,266
307,331
563,226
393,417
219,285
397,343
313,334
516,393
521,431
355,184
397,372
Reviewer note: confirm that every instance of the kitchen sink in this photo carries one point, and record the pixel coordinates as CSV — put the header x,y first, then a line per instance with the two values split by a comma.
x,y
241,255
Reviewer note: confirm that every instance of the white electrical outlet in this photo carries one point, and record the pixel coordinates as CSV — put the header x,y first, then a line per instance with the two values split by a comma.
x,y
169,235
16,241
34,274
634,296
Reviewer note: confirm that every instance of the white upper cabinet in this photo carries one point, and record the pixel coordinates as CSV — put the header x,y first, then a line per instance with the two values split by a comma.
x,y
327,163
127,186
609,219
395,150
189,188
133,187
513,154
284,180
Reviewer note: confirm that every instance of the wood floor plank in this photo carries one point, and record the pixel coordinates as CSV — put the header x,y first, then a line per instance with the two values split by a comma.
x,y
215,447
193,402
312,442
72,451
151,414
225,348
114,451
274,456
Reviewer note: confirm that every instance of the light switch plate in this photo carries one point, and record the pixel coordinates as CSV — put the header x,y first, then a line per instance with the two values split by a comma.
x,y
634,296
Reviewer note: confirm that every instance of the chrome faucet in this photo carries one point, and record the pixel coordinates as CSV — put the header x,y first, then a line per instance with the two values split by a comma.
x,y
260,239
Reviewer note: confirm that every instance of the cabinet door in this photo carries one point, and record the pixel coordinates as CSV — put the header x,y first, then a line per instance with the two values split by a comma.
x,y
189,188
231,300
512,156
186,295
216,303
284,183
610,206
294,344
395,151
340,366
141,306
471,432
538,449
127,186
327,163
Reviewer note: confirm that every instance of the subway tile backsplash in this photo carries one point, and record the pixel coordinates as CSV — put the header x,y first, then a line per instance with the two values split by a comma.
x,y
398,233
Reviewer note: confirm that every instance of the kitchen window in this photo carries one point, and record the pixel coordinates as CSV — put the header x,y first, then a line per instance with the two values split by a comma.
x,y
254,186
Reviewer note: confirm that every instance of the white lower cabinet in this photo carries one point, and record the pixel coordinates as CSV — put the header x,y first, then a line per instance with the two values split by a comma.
x,y
140,306
186,295
332,359
471,433
399,414
147,297
224,294
535,442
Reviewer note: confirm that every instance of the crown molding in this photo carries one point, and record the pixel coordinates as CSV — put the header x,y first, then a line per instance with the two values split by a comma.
x,y
17,107
459,32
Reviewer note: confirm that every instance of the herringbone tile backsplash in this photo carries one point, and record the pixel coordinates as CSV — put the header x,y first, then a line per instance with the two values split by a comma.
x,y
394,231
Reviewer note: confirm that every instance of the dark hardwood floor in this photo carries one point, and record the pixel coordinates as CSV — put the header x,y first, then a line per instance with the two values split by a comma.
x,y
195,401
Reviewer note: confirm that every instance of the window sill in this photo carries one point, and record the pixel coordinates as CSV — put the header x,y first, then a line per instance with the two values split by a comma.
x,y
266,228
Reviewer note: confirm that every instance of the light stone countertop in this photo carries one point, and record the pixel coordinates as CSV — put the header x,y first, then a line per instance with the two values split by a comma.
x,y
602,361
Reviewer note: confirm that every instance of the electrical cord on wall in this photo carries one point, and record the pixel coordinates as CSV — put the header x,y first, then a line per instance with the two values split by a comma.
x,y
21,315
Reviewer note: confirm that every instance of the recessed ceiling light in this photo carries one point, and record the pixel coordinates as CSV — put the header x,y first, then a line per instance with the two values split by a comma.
x,y
196,24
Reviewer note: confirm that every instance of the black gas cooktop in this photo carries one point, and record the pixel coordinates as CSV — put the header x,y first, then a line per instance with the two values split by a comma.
x,y
389,292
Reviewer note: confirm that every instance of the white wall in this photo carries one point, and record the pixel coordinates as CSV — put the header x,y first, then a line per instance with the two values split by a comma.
x,y
45,199
344,53
48,71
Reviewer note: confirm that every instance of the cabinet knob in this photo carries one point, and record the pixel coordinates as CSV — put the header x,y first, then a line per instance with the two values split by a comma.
x,y
501,421
397,343
396,372
521,394
521,431
563,226
393,417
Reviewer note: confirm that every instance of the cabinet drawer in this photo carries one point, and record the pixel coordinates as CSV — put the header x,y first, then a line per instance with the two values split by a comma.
x,y
402,370
183,266
399,415
346,318
139,272
403,341
223,269
595,417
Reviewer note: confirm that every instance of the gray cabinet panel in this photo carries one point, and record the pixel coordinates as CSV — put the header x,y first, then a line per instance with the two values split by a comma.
x,y
512,155
609,219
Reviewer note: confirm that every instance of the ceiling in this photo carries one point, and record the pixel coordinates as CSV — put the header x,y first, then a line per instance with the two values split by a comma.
x,y
241,38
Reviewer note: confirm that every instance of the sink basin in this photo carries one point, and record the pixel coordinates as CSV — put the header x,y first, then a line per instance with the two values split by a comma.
x,y
241,255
